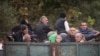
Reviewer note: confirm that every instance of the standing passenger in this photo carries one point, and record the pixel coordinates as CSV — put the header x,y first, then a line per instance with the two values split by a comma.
x,y
24,21
62,26
41,29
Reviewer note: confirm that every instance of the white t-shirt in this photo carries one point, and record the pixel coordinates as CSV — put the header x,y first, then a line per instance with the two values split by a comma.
x,y
66,26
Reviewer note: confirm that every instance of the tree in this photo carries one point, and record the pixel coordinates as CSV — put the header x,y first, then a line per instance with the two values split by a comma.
x,y
76,11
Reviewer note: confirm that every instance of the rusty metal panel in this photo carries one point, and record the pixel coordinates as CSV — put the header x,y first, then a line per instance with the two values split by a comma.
x,y
42,49
15,50
39,50
80,49
88,50
68,50
26,49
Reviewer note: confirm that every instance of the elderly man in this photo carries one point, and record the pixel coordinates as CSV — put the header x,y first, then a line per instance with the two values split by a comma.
x,y
41,29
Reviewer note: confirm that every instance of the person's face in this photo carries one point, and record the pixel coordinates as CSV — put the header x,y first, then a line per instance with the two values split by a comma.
x,y
58,39
45,21
72,31
78,38
25,31
83,26
28,38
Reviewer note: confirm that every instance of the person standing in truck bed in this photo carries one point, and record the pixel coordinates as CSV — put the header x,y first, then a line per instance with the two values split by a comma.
x,y
41,29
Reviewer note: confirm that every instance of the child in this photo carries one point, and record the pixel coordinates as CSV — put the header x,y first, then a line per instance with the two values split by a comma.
x,y
58,39
54,38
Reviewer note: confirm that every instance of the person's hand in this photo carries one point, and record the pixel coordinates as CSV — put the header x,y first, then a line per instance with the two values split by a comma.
x,y
11,38
35,39
97,33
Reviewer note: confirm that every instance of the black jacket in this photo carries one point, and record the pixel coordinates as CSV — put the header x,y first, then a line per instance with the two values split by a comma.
x,y
15,29
25,23
60,27
18,36
41,31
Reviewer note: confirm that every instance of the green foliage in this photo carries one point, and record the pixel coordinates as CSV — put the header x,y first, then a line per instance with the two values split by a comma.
x,y
7,18
91,21
76,10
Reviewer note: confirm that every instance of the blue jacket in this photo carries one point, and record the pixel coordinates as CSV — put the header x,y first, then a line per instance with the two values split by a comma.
x,y
88,33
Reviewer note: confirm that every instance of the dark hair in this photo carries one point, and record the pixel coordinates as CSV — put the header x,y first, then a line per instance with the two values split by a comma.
x,y
83,22
23,27
23,21
62,15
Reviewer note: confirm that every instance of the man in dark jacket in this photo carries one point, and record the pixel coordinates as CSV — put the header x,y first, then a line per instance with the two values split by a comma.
x,y
19,36
41,29
88,32
71,35
26,22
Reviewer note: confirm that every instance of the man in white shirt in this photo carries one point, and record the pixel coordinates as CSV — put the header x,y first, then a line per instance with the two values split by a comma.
x,y
66,26
62,26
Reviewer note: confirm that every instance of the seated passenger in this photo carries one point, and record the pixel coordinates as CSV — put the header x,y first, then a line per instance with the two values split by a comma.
x,y
87,32
79,37
54,38
18,37
71,35
58,39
